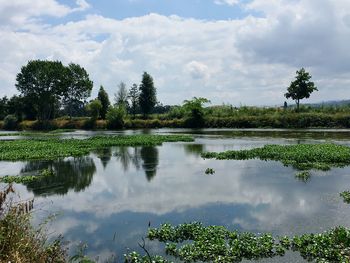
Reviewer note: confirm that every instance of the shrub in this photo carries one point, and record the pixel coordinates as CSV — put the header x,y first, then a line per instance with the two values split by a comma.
x,y
115,117
10,122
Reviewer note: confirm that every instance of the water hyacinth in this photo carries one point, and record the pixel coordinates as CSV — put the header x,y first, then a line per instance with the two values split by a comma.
x,y
53,148
300,156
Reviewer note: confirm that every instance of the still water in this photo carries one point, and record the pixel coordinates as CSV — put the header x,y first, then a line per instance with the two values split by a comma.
x,y
108,198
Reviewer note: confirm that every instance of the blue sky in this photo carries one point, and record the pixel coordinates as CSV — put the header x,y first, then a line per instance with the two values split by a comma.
x,y
240,52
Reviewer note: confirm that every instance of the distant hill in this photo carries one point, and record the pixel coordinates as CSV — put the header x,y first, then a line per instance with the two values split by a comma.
x,y
330,103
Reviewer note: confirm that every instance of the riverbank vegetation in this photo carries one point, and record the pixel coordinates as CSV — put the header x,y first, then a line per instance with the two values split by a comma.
x,y
301,156
53,148
65,105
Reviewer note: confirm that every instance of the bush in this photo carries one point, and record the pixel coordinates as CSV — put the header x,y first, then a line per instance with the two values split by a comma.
x,y
20,242
115,117
10,122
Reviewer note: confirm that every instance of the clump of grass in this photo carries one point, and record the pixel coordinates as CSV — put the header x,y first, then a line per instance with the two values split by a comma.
x,y
19,241
53,148
346,196
209,171
18,179
301,156
195,242
303,176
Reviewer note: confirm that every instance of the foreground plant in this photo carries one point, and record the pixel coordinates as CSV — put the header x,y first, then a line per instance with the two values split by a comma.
x,y
300,156
19,241
53,148
26,178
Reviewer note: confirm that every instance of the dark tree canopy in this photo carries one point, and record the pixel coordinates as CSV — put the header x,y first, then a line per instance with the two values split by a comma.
x,y
121,97
301,87
103,98
147,98
78,88
42,83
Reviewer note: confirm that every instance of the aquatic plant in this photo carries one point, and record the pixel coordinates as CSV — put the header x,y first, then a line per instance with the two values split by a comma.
x,y
209,171
53,148
18,179
346,196
303,176
194,242
300,156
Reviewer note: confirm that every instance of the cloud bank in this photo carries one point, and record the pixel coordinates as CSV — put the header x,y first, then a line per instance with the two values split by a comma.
x,y
227,61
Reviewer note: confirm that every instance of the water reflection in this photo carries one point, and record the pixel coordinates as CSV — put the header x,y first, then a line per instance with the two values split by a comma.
x,y
70,174
150,158
104,154
195,149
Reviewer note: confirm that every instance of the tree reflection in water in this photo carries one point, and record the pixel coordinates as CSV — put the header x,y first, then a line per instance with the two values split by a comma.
x,y
104,154
148,156
70,173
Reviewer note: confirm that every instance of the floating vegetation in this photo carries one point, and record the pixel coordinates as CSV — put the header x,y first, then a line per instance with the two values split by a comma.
x,y
53,148
303,176
209,171
346,196
22,179
194,242
300,156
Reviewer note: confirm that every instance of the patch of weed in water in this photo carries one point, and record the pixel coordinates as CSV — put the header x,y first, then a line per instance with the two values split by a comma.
x,y
346,196
209,171
195,242
53,148
302,156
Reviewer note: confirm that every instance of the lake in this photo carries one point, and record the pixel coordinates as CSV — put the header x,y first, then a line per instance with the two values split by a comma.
x,y
108,198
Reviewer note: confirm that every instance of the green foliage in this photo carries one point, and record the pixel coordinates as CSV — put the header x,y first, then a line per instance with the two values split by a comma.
x,y
303,176
42,82
147,97
103,98
78,88
53,148
301,87
94,108
134,257
301,156
115,116
346,196
26,178
194,242
10,122
209,171
19,240
195,112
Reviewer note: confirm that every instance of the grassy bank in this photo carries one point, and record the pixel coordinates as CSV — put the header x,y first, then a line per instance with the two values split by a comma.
x,y
300,156
53,148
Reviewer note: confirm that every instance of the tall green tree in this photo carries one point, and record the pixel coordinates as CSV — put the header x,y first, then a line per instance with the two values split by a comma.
x,y
301,87
195,111
42,83
147,98
134,99
3,107
103,98
78,88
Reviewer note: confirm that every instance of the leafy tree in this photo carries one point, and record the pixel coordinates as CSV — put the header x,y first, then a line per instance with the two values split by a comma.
x,y
301,87
103,98
134,99
3,107
78,89
121,97
195,111
42,83
115,116
147,98
94,108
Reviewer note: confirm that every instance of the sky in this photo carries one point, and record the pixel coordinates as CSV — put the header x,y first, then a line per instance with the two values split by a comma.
x,y
239,52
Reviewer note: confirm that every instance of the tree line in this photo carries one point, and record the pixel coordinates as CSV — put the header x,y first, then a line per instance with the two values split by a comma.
x,y
49,89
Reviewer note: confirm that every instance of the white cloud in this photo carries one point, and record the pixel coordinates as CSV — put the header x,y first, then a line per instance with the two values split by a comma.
x,y
227,2
227,61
